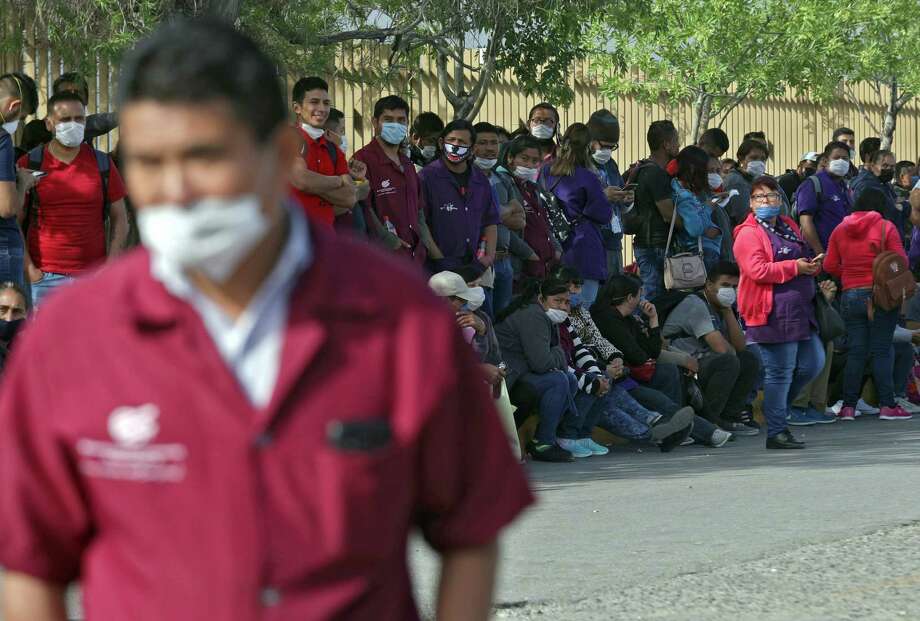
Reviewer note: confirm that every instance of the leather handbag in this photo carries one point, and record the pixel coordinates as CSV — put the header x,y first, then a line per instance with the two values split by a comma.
x,y
685,270
830,323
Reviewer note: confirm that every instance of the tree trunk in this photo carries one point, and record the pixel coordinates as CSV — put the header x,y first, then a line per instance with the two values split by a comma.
x,y
702,114
891,115
228,10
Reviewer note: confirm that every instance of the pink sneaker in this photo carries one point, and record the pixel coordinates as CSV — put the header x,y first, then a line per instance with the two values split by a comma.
x,y
847,413
895,413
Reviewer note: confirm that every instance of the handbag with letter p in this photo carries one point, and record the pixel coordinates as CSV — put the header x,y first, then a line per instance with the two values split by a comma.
x,y
684,270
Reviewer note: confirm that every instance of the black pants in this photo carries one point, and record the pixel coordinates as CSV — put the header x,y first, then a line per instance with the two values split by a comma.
x,y
726,380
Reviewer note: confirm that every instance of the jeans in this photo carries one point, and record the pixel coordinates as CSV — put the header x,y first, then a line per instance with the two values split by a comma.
x,y
590,410
667,380
815,392
657,401
487,307
868,338
788,368
614,262
589,292
651,271
711,259
46,286
557,390
726,381
11,256
503,285
903,365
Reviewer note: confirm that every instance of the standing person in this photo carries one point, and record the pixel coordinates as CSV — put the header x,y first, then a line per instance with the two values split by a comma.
x,y
218,354
878,173
714,142
605,140
853,247
423,139
654,206
485,153
543,124
848,137
691,197
18,99
348,220
820,213
753,154
792,179
571,178
776,300
394,204
320,179
458,205
66,214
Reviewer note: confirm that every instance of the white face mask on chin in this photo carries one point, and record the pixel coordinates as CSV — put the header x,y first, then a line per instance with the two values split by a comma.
x,y
212,236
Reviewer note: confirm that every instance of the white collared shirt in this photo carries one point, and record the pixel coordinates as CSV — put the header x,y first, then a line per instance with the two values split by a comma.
x,y
251,345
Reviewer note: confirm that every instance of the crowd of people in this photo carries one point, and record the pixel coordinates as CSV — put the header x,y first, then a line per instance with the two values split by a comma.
x,y
743,281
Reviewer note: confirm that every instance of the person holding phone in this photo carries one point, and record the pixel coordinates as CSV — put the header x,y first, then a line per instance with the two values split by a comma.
x,y
776,296
605,140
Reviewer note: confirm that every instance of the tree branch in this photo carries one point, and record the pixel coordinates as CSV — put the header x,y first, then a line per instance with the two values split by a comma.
x,y
444,80
736,100
861,108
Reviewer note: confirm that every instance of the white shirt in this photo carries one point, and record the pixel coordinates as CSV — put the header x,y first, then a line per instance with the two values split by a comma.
x,y
251,345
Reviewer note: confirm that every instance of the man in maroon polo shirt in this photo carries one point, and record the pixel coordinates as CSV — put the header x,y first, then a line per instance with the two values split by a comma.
x,y
217,441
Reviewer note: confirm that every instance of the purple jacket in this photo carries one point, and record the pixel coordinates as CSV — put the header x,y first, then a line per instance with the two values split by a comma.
x,y
913,255
455,215
582,196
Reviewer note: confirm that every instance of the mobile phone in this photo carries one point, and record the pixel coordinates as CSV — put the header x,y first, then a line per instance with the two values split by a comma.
x,y
38,174
629,187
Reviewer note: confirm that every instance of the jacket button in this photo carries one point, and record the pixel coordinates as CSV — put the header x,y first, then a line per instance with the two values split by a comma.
x,y
270,597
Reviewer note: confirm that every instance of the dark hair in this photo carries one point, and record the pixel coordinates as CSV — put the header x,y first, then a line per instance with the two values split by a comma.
x,y
723,268
64,96
749,145
458,125
544,106
503,132
715,137
427,123
660,132
202,61
617,289
840,131
567,274
693,169
390,102
529,292
9,285
757,135
835,144
485,128
513,148
765,181
334,117
901,166
573,152
305,85
729,160
876,156
17,83
868,147
870,199
72,77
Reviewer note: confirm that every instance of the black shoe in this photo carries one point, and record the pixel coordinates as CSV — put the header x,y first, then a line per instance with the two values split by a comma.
x,y
549,452
784,440
738,428
672,433
747,418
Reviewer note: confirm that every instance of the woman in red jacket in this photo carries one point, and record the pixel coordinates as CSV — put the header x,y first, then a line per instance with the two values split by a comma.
x,y
852,248
776,298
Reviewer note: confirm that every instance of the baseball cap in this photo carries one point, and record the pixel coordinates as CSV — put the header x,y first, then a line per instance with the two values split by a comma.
x,y
810,156
452,285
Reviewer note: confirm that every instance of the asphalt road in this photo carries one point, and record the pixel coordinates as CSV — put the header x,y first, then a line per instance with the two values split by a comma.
x,y
740,533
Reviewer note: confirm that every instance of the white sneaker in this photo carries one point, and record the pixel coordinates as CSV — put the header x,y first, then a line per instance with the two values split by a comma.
x,y
594,447
834,409
574,447
864,408
719,438
907,406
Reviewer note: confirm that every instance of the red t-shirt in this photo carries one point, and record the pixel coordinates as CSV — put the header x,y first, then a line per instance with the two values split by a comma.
x,y
317,155
67,234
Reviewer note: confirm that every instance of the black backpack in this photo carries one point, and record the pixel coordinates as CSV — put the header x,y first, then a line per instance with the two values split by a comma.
x,y
668,301
633,219
561,225
103,162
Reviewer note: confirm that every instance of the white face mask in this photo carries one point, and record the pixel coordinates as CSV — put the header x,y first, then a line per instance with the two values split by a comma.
x,y
838,168
556,316
542,132
602,156
715,180
756,168
313,132
429,152
727,296
213,235
528,174
485,163
10,127
69,134
344,144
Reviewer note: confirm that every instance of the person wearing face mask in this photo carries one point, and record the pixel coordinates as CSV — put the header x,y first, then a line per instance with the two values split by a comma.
x,y
905,172
14,308
776,297
877,174
792,179
18,99
524,210
571,178
752,154
543,124
66,214
424,134
348,220
458,204
321,180
605,140
691,189
243,343
821,212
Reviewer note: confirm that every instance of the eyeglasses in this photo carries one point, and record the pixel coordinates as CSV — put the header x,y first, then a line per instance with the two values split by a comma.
x,y
770,196
612,147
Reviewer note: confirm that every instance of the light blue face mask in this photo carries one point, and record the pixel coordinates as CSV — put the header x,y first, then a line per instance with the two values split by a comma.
x,y
393,133
768,212
575,300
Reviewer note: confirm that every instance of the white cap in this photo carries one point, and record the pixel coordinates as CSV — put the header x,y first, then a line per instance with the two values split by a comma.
x,y
811,156
452,285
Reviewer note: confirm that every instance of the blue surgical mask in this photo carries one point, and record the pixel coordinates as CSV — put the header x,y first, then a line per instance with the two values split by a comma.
x,y
575,300
768,212
393,133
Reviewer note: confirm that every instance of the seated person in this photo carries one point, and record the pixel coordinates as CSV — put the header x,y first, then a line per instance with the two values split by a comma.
x,y
705,326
